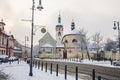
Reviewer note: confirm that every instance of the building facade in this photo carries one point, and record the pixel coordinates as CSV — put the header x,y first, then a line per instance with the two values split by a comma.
x,y
6,41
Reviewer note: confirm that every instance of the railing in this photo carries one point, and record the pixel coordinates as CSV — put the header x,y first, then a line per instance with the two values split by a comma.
x,y
94,72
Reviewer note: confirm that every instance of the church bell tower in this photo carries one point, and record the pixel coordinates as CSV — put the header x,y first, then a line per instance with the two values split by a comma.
x,y
59,31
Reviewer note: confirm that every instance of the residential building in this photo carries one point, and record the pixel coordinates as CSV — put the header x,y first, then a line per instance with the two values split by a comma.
x,y
6,41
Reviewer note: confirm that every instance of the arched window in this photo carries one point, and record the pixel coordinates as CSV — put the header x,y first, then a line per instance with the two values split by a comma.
x,y
74,40
59,33
66,41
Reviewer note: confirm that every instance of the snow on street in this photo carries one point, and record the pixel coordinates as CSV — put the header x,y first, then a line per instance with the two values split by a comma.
x,y
21,72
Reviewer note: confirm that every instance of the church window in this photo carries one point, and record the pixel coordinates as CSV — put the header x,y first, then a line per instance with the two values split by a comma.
x,y
74,40
59,49
66,41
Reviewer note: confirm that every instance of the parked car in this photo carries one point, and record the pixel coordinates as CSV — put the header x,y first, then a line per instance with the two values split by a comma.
x,y
116,63
13,58
3,58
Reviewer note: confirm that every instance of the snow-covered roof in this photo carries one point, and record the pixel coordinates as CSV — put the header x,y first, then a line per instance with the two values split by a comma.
x,y
22,43
17,48
17,51
94,52
74,31
60,45
9,34
47,45
93,45
3,56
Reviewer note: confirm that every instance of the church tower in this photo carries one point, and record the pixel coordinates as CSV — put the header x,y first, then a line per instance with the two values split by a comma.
x,y
72,25
59,31
2,24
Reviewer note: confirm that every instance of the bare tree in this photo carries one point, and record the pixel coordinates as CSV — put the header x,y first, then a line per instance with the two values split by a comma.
x,y
97,38
82,42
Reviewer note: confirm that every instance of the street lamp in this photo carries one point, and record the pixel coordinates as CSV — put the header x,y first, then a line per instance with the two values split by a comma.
x,y
33,8
116,26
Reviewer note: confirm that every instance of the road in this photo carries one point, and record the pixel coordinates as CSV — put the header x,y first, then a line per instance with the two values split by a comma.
x,y
107,73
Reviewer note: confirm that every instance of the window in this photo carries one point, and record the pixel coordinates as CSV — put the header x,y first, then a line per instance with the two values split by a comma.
x,y
59,33
74,40
59,49
2,41
66,41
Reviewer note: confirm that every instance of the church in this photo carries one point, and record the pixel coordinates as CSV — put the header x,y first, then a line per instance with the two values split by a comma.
x,y
64,44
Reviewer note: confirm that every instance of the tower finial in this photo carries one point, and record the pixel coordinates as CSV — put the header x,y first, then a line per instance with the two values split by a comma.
x,y
59,18
72,25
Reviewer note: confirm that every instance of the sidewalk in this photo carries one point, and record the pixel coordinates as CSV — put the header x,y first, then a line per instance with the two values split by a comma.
x,y
20,71
3,76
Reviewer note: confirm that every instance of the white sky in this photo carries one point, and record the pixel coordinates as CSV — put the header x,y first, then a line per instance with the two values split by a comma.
x,y
92,15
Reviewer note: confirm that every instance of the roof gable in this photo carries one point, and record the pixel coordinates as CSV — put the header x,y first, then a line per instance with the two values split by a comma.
x,y
47,38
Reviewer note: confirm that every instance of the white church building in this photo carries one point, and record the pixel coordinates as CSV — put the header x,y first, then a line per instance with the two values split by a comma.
x,y
47,44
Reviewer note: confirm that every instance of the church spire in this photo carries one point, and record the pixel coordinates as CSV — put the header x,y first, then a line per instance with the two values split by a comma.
x,y
59,21
59,18
72,25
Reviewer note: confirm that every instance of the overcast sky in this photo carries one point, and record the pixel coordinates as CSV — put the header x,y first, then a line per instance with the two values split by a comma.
x,y
92,15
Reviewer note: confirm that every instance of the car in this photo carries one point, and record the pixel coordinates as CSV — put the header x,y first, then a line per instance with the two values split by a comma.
x,y
116,63
3,58
13,58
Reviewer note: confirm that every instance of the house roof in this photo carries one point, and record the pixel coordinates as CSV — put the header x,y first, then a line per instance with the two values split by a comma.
x,y
74,31
60,46
46,36
47,45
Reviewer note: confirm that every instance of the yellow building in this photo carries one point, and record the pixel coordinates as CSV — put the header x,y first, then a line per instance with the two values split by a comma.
x,y
72,42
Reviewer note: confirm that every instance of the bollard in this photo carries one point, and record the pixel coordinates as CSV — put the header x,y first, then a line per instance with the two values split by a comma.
x,y
18,61
99,77
42,66
76,73
65,72
46,67
38,64
10,62
93,74
35,64
57,70
51,68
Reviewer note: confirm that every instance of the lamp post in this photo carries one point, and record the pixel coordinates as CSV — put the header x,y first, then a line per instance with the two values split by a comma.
x,y
26,39
116,26
33,8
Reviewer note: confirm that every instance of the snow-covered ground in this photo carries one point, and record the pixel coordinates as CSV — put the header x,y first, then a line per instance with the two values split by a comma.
x,y
21,72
